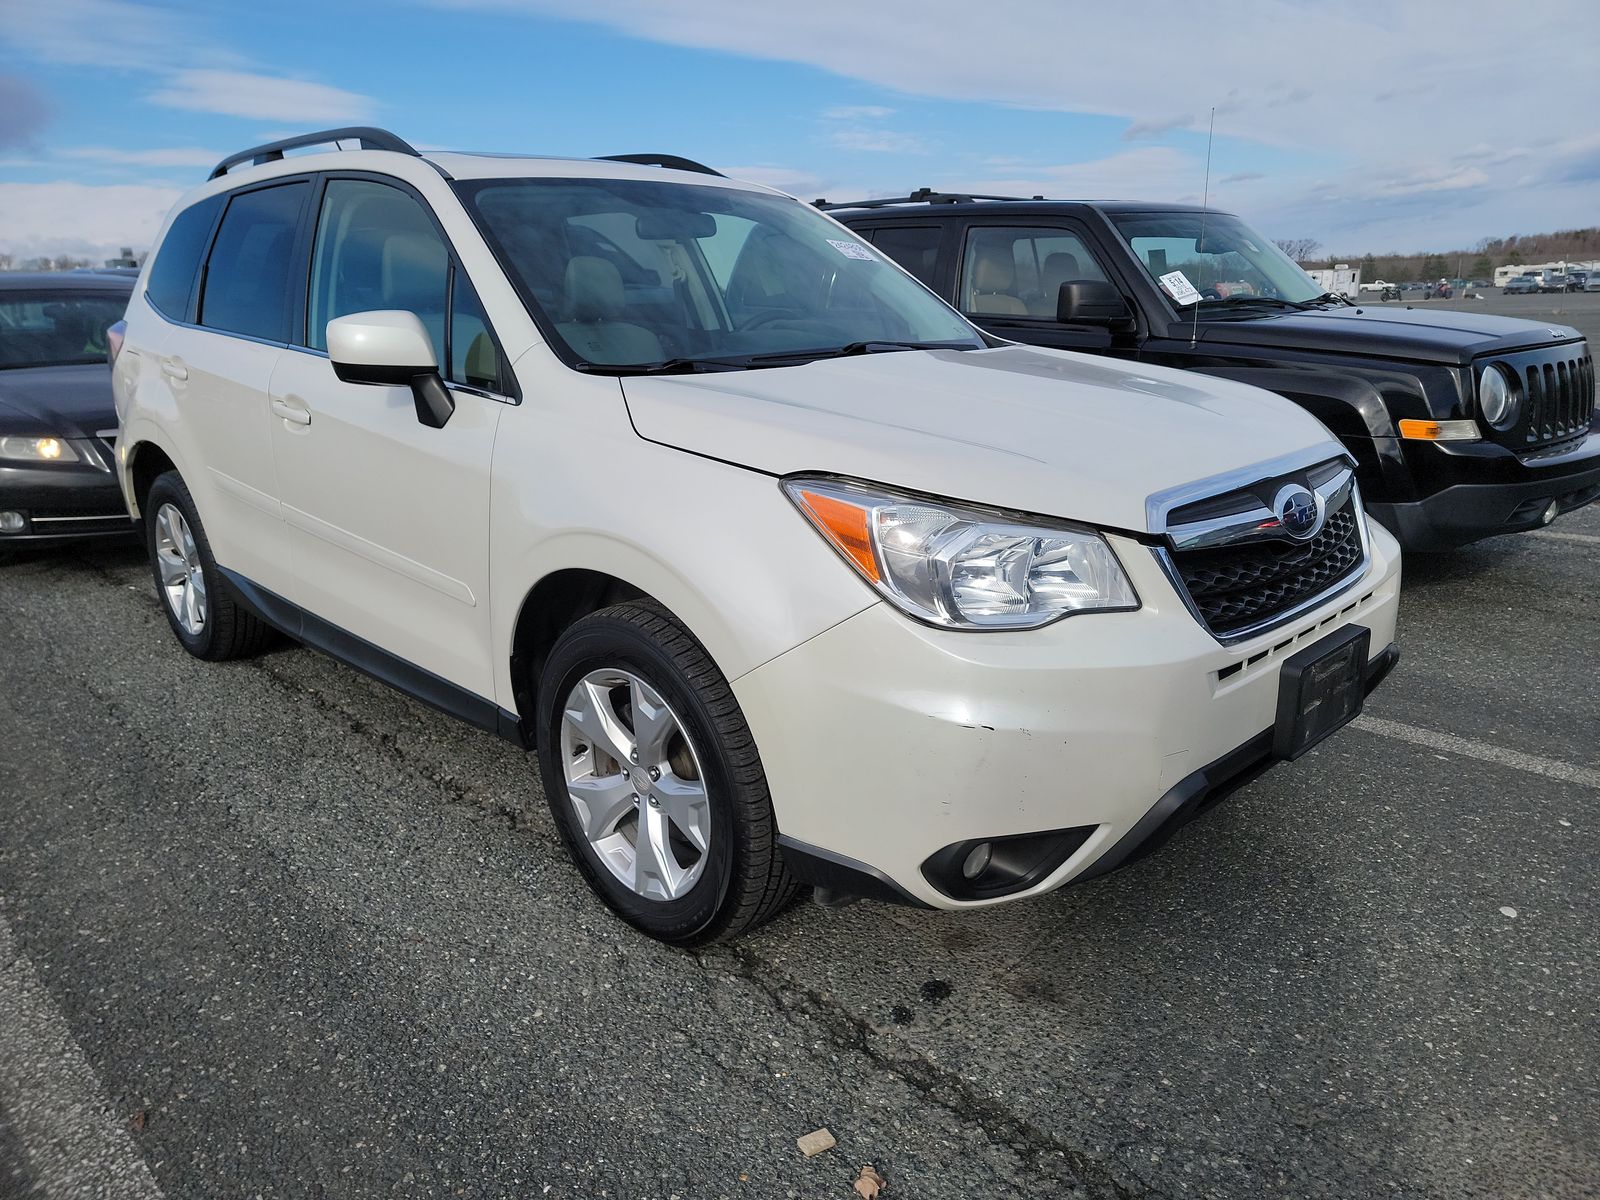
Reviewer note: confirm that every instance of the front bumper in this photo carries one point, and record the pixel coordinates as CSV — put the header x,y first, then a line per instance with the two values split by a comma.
x,y
1487,490
886,742
65,502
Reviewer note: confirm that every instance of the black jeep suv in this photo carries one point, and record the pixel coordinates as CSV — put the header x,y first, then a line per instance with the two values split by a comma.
x,y
1461,425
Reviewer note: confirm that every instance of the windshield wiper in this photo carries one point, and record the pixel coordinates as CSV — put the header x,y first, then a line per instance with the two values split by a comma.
x,y
1273,301
1327,298
851,349
668,366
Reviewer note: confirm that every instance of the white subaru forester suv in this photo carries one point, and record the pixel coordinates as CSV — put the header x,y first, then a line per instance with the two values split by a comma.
x,y
790,574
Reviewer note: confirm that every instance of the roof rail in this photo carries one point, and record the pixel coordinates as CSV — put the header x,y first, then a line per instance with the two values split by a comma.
x,y
672,162
370,139
920,196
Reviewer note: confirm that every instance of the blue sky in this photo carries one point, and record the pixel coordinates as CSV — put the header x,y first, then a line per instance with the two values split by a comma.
x,y
1366,125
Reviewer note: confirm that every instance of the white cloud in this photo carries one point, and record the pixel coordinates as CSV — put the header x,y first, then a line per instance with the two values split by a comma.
x,y
880,141
81,219
262,97
1145,173
115,34
857,112
171,156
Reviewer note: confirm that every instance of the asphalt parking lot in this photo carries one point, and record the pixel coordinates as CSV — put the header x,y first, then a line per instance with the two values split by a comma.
x,y
269,929
1578,309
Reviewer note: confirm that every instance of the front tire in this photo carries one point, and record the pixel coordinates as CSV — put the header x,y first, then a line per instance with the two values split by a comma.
x,y
205,617
654,781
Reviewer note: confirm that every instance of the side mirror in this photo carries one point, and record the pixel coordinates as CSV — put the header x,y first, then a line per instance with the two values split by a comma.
x,y
1091,302
391,348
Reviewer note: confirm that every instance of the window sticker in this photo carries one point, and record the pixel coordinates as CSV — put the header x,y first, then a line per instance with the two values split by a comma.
x,y
852,249
1176,284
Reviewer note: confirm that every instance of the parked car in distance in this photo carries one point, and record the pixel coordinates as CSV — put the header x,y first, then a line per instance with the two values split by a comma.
x,y
1462,425
58,421
1577,281
1553,281
1592,283
1520,285
1377,285
788,572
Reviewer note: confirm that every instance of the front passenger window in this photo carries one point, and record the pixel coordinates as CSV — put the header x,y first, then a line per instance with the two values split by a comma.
x,y
376,248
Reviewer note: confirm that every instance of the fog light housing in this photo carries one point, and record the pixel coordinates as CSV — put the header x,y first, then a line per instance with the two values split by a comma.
x,y
1551,512
12,522
985,868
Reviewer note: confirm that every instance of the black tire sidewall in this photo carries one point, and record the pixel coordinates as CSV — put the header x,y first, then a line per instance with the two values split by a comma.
x,y
169,489
601,641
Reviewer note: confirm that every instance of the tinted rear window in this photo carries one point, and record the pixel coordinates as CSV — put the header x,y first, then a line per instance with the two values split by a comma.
x,y
170,284
247,276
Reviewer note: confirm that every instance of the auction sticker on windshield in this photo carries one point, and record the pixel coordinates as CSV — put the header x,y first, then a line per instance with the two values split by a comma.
x,y
851,249
1176,284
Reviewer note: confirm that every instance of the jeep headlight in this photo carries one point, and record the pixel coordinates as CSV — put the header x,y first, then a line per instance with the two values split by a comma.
x,y
962,567
37,450
1497,399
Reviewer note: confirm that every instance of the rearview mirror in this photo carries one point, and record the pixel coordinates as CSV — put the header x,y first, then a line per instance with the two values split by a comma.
x,y
391,348
1091,302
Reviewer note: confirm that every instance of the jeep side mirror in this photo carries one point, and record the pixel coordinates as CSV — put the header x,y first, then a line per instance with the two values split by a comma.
x,y
391,348
1091,302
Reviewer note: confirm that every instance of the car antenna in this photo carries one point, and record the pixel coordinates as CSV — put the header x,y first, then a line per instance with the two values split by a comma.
x,y
1205,203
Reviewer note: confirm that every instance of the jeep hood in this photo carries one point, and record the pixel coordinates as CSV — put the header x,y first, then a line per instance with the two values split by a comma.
x,y
1040,431
1435,335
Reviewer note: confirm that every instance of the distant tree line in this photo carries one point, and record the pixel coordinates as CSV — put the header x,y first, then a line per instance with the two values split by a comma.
x,y
1478,262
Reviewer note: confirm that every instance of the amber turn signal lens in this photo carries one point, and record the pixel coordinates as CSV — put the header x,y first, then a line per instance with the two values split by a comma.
x,y
1439,431
845,525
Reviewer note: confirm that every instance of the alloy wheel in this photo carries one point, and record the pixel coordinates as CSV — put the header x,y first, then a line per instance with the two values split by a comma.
x,y
634,780
183,579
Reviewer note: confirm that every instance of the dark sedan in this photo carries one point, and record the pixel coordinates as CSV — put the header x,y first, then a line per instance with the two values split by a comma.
x,y
58,423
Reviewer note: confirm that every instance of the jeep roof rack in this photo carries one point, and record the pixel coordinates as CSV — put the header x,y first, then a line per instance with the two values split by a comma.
x,y
672,162
370,139
920,196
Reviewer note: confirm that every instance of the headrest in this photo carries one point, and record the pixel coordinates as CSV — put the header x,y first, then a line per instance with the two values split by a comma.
x,y
1058,269
594,288
993,270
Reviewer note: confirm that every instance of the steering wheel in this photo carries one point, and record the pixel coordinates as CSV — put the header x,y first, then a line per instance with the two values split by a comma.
x,y
762,320
1210,294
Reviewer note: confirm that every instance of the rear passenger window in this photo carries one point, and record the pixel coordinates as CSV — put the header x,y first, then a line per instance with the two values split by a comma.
x,y
170,284
914,247
247,276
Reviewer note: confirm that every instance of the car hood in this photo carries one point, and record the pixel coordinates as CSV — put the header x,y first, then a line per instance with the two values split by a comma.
x,y
1040,431
74,401
1440,335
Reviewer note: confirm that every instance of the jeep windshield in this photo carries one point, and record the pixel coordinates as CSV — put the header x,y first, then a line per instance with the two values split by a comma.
x,y
629,276
1218,262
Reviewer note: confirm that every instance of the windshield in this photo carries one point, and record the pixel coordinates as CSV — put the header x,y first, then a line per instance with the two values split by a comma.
x,y
56,329
641,274
1213,259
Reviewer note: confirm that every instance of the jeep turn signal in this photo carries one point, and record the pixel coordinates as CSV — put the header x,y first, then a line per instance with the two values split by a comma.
x,y
1440,431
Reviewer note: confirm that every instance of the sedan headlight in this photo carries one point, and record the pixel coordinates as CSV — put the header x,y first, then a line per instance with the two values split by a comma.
x,y
37,449
1497,400
960,567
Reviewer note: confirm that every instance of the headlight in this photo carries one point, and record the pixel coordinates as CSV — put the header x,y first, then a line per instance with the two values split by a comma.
x,y
1496,399
964,568
32,449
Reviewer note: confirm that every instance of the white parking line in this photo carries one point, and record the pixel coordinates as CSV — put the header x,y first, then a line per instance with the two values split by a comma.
x,y
1561,535
74,1144
1550,768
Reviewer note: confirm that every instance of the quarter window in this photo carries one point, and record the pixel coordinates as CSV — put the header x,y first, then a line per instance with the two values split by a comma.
x,y
247,276
1018,272
170,284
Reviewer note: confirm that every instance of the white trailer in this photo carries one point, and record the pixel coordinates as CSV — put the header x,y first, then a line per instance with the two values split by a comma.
x,y
1341,279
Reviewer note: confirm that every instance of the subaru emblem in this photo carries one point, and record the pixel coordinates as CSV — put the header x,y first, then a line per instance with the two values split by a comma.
x,y
1298,512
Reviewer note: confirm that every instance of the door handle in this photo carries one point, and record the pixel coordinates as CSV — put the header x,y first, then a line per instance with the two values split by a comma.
x,y
174,368
293,413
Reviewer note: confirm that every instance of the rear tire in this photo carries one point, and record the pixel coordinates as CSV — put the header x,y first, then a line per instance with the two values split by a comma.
x,y
205,617
641,743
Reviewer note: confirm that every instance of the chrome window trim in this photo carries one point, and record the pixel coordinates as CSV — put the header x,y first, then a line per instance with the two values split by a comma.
x,y
1163,557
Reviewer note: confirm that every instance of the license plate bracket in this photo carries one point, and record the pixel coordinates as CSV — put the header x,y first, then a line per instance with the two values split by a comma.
x,y
1321,690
